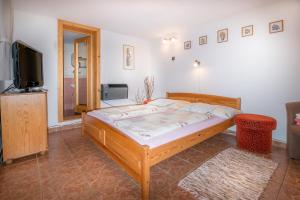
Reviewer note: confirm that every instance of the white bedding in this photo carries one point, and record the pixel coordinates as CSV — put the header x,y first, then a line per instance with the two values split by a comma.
x,y
123,112
119,102
149,126
163,121
117,113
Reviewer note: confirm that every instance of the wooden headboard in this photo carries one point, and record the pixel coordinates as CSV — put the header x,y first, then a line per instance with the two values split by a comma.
x,y
205,98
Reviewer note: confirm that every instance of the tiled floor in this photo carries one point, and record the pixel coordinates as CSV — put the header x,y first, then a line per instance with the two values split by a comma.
x,y
76,169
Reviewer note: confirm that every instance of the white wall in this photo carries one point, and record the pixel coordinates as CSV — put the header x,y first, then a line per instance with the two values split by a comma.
x,y
41,33
263,70
112,61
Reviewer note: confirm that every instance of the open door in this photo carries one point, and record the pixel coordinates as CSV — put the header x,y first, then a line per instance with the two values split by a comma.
x,y
82,66
78,75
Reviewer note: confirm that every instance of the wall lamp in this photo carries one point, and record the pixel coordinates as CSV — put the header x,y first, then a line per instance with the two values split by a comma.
x,y
196,63
169,40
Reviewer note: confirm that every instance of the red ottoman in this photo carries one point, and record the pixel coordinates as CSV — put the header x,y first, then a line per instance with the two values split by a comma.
x,y
254,132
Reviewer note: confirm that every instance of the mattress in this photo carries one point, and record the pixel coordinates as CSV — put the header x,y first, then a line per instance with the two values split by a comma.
x,y
117,102
168,136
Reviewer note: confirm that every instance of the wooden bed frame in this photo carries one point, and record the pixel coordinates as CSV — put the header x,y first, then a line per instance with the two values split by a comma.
x,y
137,159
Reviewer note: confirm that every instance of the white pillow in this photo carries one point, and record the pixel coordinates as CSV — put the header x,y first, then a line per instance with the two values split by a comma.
x,y
224,112
163,102
199,108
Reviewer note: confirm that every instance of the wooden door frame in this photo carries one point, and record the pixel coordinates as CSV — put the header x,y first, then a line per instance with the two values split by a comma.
x,y
87,40
93,84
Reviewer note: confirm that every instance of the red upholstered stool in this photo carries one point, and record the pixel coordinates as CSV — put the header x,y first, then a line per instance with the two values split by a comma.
x,y
254,132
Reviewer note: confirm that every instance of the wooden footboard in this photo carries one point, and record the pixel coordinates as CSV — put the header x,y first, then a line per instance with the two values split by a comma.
x,y
137,159
133,157
166,151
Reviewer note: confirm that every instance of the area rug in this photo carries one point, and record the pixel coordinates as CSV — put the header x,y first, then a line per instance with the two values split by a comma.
x,y
232,174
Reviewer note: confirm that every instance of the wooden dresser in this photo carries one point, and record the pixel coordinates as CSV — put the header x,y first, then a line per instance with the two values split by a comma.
x,y
24,124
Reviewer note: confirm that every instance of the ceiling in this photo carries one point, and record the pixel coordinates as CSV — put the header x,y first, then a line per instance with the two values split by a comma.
x,y
143,18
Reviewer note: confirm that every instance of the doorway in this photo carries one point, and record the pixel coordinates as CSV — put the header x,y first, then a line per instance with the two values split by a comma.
x,y
78,72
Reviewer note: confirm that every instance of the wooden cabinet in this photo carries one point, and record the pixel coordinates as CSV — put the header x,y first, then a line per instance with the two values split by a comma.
x,y
24,124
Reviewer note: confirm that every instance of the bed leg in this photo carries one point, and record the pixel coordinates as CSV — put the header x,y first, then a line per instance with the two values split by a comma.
x,y
145,175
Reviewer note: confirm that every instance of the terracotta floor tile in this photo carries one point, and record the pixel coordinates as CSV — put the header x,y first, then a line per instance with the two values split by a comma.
x,y
55,158
32,190
62,172
93,167
160,180
20,171
114,183
79,151
75,168
176,167
174,193
271,192
4,191
289,193
194,156
20,181
294,164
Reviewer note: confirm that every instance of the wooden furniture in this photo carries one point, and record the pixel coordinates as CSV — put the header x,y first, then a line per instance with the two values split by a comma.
x,y
254,132
137,159
24,124
93,72
293,130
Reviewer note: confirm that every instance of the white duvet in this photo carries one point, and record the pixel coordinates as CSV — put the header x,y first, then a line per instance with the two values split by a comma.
x,y
150,126
124,112
160,116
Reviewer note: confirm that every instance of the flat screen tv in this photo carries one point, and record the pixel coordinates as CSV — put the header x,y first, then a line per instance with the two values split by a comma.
x,y
28,66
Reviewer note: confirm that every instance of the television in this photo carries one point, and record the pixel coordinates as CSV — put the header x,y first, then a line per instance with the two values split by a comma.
x,y
27,65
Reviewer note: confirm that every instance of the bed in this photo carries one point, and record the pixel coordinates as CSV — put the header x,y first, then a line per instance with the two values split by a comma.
x,y
137,157
116,102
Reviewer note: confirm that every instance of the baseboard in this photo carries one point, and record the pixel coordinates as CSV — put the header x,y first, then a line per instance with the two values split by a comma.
x,y
278,143
275,142
63,127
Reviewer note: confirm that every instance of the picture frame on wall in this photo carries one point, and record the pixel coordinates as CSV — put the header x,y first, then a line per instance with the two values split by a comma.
x,y
222,35
247,31
187,44
128,57
276,26
203,40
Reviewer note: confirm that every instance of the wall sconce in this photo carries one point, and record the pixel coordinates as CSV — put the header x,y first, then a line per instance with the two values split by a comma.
x,y
169,40
196,63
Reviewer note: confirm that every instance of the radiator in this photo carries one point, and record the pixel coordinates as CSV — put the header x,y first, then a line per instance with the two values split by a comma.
x,y
114,91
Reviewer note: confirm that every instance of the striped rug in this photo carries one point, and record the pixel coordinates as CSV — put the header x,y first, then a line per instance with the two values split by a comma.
x,y
232,174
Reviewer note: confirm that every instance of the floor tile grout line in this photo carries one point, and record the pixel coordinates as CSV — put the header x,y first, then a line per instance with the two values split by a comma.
x,y
40,166
278,193
40,178
76,161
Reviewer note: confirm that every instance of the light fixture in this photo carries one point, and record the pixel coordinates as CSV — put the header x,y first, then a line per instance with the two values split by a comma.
x,y
197,63
169,40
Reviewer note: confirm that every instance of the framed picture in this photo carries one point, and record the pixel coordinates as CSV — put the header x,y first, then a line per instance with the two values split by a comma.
x,y
247,31
128,57
187,44
223,35
203,40
275,27
82,62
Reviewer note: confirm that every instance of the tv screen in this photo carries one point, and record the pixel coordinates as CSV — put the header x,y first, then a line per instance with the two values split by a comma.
x,y
28,66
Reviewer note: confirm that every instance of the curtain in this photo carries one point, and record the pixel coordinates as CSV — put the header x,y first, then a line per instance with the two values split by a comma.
x,y
6,32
